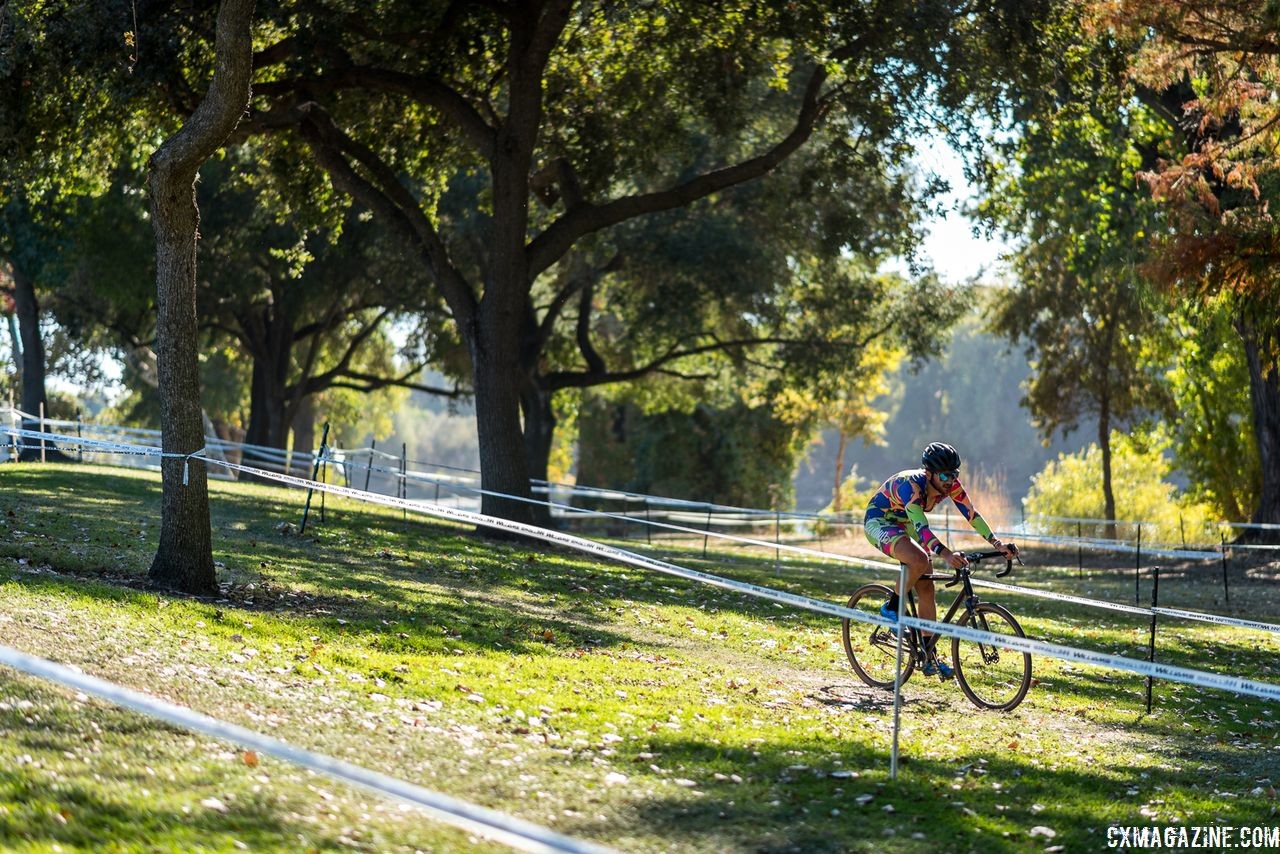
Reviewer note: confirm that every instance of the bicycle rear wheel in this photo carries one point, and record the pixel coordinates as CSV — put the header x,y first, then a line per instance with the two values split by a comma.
x,y
872,649
991,676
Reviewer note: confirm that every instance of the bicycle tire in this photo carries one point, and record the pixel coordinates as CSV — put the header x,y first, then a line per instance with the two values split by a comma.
x,y
991,677
872,649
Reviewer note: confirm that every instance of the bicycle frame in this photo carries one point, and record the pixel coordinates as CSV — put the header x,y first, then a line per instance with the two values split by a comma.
x,y
927,648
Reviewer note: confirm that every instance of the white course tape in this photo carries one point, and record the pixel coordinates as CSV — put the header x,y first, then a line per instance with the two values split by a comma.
x,y
104,446
444,480
1254,546
1128,609
1262,526
1043,594
1180,674
1217,618
1085,521
1199,678
1114,546
517,833
1061,597
440,480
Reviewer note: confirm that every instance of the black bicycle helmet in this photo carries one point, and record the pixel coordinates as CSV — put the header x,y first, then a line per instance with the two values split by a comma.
x,y
939,457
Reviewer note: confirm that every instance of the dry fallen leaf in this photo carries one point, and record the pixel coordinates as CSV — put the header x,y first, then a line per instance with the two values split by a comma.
x,y
214,804
250,758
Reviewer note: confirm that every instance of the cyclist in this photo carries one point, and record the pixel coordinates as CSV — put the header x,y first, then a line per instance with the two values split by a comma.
x,y
895,524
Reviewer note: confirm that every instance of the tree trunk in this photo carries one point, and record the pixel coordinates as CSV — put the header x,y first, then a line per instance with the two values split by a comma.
x,y
1264,394
840,449
256,433
503,467
304,435
539,433
1104,442
268,420
495,339
27,309
184,558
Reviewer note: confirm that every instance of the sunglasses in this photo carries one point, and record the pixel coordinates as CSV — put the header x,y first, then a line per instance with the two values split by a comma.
x,y
948,476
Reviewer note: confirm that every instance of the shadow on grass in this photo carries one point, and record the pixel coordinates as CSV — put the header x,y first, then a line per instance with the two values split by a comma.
x,y
796,796
373,553
430,590
861,698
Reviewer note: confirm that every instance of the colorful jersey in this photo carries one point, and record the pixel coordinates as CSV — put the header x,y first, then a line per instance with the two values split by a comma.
x,y
904,498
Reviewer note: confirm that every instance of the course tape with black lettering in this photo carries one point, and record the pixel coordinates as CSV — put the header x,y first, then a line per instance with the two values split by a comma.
x,y
1029,591
1201,616
1179,674
1217,618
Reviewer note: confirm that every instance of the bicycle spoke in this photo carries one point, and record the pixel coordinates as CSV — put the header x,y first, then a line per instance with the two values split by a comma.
x,y
872,649
991,676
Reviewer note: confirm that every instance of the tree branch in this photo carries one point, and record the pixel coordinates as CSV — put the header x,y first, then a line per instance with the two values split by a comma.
x,y
432,92
276,53
421,88
584,379
313,350
551,244
575,284
595,364
551,23
391,201
559,173
222,106
373,383
331,322
344,362
232,332
1205,44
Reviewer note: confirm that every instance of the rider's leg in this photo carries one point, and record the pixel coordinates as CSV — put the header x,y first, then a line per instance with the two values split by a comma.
x,y
908,551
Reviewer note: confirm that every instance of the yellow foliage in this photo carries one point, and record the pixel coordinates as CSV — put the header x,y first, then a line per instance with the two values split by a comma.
x,y
1071,486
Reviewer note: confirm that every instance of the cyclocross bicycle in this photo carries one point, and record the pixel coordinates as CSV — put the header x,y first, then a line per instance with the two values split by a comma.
x,y
990,676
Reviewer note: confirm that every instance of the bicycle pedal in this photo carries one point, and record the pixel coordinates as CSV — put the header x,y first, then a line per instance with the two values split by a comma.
x,y
943,671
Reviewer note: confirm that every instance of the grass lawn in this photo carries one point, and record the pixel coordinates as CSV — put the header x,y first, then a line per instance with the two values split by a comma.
x,y
634,709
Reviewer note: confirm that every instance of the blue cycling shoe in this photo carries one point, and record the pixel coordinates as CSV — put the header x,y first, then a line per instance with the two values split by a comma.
x,y
938,668
889,615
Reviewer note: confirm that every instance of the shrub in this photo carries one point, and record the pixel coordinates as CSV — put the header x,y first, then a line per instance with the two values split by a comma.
x,y
1071,486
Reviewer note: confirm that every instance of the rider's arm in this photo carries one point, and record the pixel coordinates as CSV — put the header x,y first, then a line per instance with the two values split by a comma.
x,y
915,513
969,512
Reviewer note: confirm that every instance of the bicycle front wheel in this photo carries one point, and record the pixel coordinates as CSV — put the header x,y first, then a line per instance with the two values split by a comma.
x,y
991,676
873,649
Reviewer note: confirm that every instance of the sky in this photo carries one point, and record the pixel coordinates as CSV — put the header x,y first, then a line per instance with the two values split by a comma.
x,y
951,247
